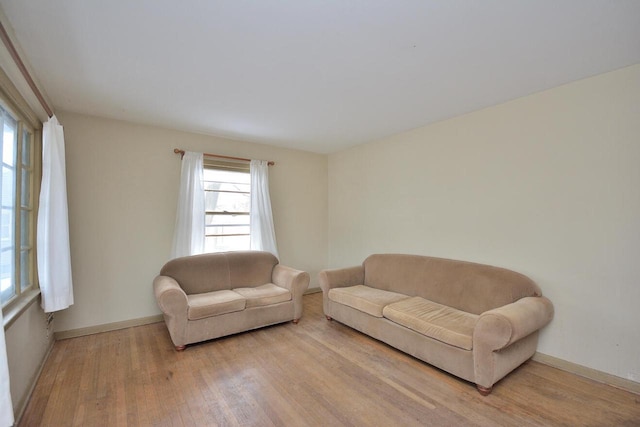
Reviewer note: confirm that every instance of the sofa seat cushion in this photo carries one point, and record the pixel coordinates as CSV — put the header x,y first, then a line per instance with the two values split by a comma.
x,y
264,295
214,303
364,298
446,324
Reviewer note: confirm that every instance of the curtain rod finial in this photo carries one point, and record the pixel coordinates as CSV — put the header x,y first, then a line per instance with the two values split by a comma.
x,y
179,151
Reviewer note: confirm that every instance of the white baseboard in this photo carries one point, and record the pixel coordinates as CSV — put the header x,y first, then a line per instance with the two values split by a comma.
x,y
590,373
73,333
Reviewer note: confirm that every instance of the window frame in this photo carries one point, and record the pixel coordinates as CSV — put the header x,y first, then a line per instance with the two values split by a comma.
x,y
229,166
26,120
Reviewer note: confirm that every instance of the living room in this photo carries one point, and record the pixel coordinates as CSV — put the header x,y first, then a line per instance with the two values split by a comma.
x,y
543,183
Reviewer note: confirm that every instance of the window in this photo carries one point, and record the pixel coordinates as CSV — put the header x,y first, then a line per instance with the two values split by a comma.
x,y
17,212
227,187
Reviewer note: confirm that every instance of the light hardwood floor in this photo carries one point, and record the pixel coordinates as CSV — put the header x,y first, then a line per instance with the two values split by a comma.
x,y
316,373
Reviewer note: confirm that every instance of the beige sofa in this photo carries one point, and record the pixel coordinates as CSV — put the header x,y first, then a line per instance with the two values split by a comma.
x,y
475,321
213,295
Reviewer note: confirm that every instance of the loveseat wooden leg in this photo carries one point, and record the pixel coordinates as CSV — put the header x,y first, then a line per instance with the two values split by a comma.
x,y
180,347
295,321
485,391
329,318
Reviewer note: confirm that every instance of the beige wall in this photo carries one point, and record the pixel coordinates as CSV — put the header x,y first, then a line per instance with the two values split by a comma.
x,y
122,184
548,185
29,340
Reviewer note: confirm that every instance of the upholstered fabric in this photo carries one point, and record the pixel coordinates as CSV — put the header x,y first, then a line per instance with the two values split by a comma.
x,y
470,287
475,321
364,298
264,295
199,273
434,320
213,303
208,296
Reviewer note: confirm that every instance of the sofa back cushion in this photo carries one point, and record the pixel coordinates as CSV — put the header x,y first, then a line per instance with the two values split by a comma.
x,y
219,271
250,268
466,286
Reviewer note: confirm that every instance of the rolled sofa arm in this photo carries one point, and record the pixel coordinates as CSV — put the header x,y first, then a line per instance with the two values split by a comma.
x,y
341,277
171,299
296,281
502,326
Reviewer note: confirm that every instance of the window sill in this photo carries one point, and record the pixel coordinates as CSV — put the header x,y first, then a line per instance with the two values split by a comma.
x,y
11,313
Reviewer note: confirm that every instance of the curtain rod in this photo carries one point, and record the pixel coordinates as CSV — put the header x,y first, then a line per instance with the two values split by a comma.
x,y
23,69
181,152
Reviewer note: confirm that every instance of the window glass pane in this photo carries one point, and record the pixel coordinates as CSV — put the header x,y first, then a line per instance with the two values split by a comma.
x,y
8,141
25,271
8,187
6,228
227,229
226,243
25,197
25,235
26,148
226,202
7,283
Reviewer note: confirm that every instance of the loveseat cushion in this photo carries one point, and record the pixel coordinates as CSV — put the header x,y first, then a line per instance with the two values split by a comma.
x,y
446,324
264,295
214,303
364,298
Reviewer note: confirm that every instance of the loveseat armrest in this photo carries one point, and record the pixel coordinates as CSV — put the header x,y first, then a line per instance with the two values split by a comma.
x,y
171,299
502,326
341,277
296,281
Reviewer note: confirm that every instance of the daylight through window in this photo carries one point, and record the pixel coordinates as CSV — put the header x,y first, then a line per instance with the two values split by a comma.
x,y
227,187
17,207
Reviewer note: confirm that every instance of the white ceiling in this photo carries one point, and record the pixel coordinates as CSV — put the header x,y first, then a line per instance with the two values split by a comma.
x,y
317,75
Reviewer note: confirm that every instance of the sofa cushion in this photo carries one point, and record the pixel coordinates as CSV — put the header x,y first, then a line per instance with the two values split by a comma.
x,y
446,324
364,298
264,295
214,303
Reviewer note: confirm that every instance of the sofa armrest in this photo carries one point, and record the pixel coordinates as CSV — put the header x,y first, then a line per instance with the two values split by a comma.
x,y
498,329
341,277
296,281
502,326
171,299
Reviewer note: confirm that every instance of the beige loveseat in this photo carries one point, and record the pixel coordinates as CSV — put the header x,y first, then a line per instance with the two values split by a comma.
x,y
475,321
213,295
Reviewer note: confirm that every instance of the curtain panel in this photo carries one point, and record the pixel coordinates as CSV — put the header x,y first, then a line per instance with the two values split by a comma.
x,y
188,237
262,234
54,255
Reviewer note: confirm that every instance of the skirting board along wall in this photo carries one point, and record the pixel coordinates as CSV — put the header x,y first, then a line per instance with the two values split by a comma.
x,y
592,374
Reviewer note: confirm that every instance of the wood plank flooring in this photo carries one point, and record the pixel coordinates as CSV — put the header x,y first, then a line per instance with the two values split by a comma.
x,y
316,373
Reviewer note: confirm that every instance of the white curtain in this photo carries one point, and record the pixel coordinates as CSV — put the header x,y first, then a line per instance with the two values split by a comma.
x,y
6,407
54,257
188,236
262,234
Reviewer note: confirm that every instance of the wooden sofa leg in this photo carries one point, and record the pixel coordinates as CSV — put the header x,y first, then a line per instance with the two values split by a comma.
x,y
180,347
295,321
329,318
485,391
